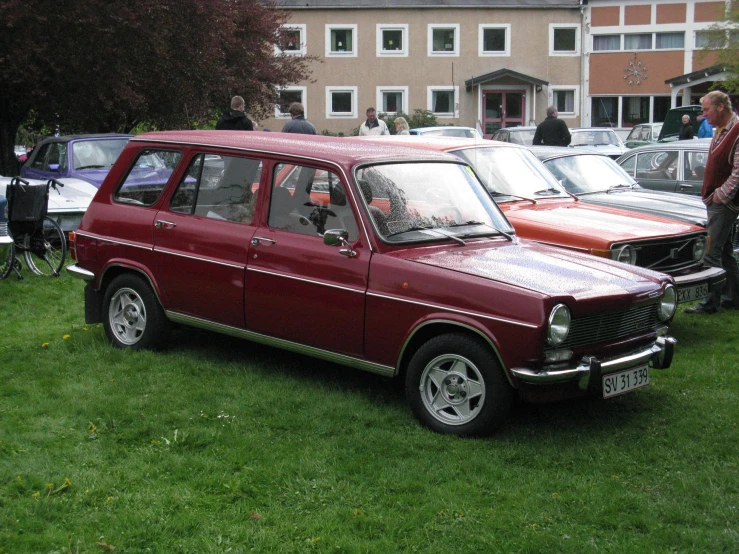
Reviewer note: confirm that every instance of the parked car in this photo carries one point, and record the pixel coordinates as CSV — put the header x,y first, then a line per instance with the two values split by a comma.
x,y
674,120
676,166
541,209
67,204
447,131
86,157
400,263
600,139
644,133
6,243
516,135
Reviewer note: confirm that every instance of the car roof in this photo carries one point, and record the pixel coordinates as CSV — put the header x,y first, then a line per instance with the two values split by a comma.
x,y
438,143
333,149
600,129
421,129
551,152
519,128
702,144
68,138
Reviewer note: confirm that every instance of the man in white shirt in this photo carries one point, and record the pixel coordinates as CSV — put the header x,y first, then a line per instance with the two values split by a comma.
x,y
373,126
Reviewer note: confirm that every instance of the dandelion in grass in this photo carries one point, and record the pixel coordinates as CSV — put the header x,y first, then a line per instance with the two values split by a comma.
x,y
45,345
66,337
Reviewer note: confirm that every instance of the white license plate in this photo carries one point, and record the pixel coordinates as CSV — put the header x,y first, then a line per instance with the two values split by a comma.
x,y
625,381
688,294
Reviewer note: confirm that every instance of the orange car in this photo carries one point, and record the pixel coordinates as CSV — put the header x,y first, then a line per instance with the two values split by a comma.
x,y
540,209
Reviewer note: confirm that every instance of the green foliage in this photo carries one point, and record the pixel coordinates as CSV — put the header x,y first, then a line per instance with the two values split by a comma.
x,y
220,445
724,39
327,133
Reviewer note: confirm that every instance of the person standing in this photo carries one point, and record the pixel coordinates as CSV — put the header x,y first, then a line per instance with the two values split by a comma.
x,y
705,130
401,126
298,123
235,119
373,126
552,131
686,131
719,193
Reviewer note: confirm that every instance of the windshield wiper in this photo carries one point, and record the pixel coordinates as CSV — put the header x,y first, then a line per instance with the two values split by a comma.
x,y
91,167
548,192
621,187
497,231
428,229
496,194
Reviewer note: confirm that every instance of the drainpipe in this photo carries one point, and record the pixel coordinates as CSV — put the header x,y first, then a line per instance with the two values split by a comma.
x,y
583,76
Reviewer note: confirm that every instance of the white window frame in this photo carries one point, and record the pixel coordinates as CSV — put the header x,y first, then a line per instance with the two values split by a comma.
x,y
337,26
481,39
303,100
403,52
430,39
552,28
575,89
383,89
341,115
303,40
430,100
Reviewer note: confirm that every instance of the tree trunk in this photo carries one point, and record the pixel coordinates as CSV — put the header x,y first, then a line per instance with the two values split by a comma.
x,y
9,123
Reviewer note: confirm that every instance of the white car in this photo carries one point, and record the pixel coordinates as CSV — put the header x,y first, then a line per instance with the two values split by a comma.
x,y
447,131
603,140
67,204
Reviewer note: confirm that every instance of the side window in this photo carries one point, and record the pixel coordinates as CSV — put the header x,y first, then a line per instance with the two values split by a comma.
x,y
695,166
147,177
58,155
628,165
309,201
219,187
657,165
39,162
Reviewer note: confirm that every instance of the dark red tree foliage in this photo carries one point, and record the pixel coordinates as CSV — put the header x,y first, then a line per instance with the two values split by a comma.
x,y
104,66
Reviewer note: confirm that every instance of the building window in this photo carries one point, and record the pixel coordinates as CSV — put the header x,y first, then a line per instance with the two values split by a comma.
x,y
635,110
291,40
606,42
565,99
661,107
665,41
564,41
709,39
287,96
638,42
392,40
443,40
442,101
494,40
391,100
341,102
604,111
340,40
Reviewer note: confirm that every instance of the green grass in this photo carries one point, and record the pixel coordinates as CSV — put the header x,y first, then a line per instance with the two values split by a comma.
x,y
219,445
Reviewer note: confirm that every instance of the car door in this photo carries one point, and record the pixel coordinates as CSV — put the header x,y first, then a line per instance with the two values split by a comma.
x,y
202,238
658,169
693,167
49,163
300,289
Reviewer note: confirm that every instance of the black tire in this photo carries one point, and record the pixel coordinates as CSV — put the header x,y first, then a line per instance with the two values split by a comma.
x,y
6,264
132,315
455,386
52,261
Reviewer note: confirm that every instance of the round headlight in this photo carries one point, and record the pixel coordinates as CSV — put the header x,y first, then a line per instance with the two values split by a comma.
x,y
559,325
625,254
699,249
668,305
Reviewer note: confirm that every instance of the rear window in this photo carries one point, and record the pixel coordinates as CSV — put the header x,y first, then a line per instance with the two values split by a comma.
x,y
148,177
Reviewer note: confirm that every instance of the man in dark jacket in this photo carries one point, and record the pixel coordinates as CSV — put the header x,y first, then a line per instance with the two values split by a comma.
x,y
235,119
552,131
298,123
686,131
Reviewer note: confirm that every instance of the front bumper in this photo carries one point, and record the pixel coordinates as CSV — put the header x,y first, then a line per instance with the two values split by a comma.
x,y
590,368
700,283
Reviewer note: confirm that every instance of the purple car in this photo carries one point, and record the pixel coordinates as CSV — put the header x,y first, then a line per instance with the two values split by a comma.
x,y
86,157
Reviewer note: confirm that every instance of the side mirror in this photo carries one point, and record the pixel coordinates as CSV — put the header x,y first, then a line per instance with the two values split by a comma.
x,y
54,167
339,237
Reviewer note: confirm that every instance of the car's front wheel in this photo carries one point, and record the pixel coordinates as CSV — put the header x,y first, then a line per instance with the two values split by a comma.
x,y
133,316
455,386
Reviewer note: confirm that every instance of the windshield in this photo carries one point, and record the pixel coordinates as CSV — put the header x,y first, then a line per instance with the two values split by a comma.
x,y
96,154
599,137
452,132
523,137
512,172
412,202
584,174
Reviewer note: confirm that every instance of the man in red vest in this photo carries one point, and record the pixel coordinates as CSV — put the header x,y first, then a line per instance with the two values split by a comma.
x,y
720,186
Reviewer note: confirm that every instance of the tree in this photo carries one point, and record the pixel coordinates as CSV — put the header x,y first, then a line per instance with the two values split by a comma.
x,y
723,38
106,66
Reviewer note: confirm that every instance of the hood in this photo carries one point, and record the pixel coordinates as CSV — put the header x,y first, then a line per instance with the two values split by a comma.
x,y
608,149
585,225
93,176
547,270
74,196
681,207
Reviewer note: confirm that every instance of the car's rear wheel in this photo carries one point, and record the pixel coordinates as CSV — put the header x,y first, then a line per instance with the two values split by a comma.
x,y
133,316
456,386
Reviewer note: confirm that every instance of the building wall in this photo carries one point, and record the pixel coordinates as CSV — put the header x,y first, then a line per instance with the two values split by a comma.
x,y
529,54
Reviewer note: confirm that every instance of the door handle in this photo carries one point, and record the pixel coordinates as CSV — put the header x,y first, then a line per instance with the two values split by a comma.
x,y
256,241
685,186
161,224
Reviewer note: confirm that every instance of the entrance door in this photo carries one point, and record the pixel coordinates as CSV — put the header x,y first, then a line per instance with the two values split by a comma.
x,y
502,109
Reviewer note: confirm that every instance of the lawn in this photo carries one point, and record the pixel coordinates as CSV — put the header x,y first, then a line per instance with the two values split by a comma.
x,y
218,445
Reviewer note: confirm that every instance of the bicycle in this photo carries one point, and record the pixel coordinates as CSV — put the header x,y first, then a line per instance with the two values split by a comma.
x,y
38,237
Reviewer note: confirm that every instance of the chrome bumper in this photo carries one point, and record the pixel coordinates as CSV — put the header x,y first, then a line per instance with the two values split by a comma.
x,y
590,368
76,271
712,276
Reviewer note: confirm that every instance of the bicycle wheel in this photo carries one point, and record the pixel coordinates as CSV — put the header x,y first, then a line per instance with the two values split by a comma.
x,y
52,261
6,264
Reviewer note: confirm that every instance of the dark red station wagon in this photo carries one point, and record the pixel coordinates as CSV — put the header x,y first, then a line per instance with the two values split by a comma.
x,y
385,258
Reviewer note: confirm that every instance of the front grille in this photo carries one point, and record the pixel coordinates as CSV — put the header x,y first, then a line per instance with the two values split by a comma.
x,y
667,255
596,329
